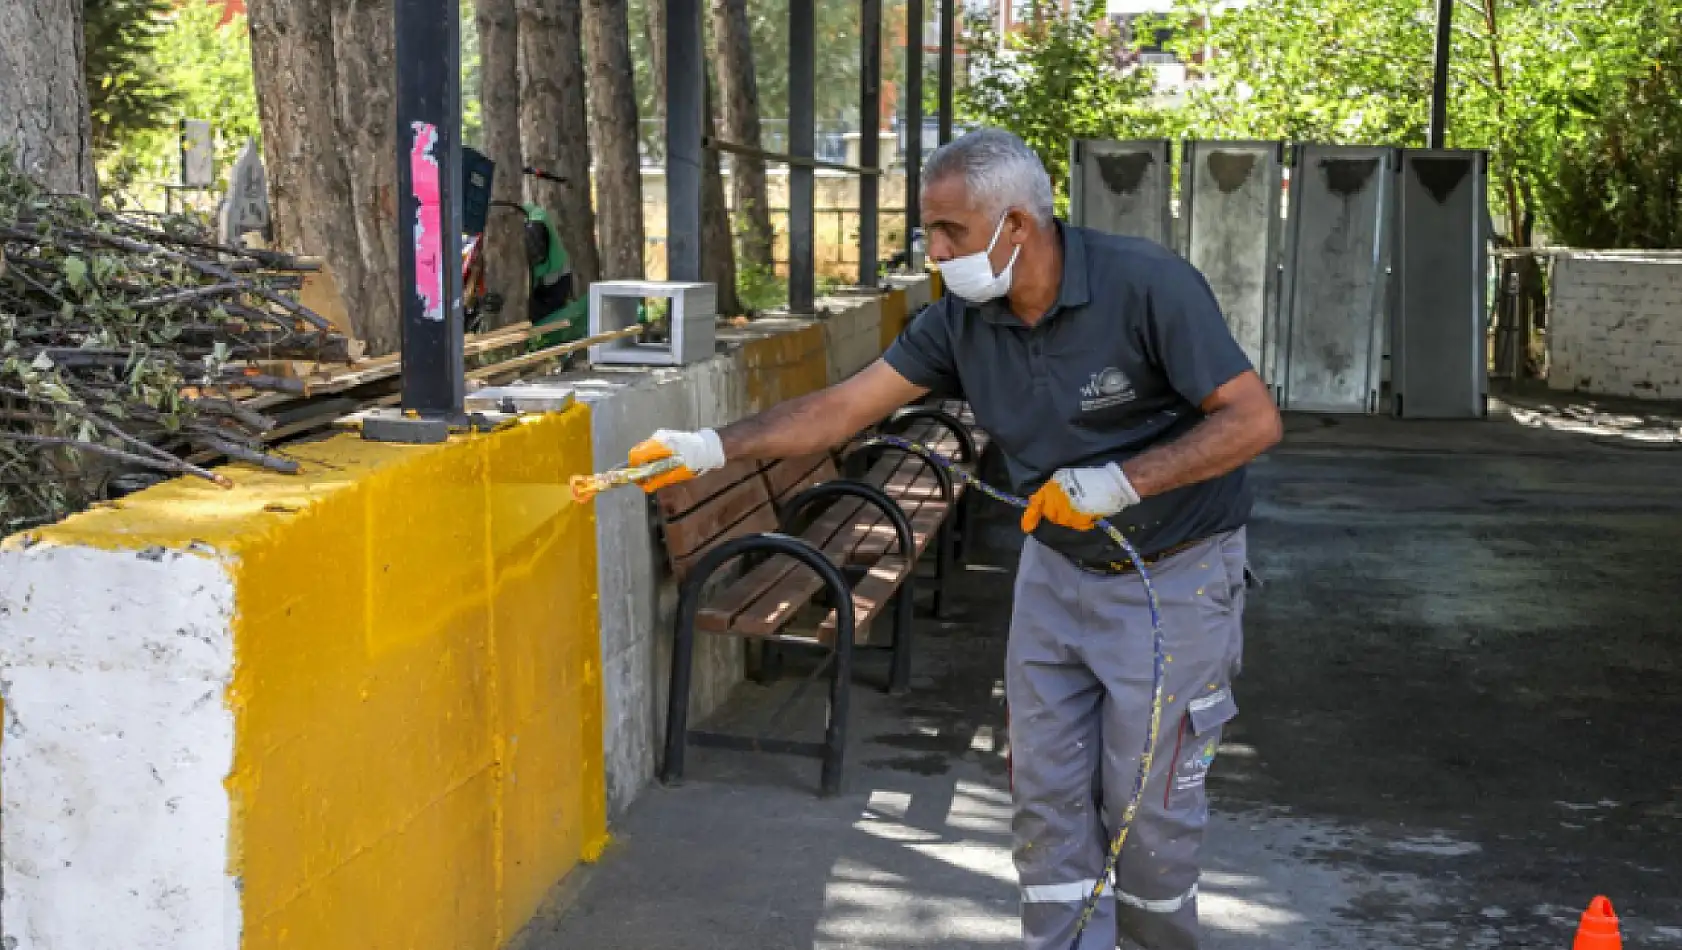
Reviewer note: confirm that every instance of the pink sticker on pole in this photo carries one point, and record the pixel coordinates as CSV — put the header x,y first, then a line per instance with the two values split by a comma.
x,y
429,221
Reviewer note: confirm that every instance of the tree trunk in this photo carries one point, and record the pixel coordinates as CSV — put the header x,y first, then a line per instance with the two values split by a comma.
x,y
554,127
324,72
739,100
718,251
499,93
43,97
613,114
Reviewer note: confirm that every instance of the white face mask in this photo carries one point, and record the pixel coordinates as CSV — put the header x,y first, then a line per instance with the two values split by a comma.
x,y
971,276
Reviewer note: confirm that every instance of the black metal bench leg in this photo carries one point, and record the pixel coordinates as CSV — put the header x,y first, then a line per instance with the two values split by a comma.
x,y
899,680
840,692
677,709
966,526
765,661
944,544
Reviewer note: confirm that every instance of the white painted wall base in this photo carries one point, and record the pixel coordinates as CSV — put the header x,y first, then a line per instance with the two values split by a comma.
x,y
113,814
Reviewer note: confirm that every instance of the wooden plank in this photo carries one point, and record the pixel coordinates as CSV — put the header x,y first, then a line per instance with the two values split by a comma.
x,y
721,611
926,526
871,597
777,605
760,520
900,486
788,476
716,517
678,500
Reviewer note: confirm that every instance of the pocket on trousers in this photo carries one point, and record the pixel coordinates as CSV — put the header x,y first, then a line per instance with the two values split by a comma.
x,y
1200,739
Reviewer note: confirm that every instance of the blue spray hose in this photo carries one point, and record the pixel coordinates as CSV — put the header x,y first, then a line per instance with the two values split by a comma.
x,y
1158,656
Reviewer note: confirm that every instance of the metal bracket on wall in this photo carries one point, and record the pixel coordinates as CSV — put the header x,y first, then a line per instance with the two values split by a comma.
x,y
411,428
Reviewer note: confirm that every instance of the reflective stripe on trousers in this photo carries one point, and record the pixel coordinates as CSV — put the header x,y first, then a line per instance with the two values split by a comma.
x,y
1078,684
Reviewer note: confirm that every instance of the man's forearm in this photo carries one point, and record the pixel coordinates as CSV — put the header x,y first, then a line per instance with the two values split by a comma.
x,y
1227,439
800,426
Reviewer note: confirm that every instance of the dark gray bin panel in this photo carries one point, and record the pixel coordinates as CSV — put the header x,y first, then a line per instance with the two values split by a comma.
x,y
1337,251
1439,352
1232,203
1123,188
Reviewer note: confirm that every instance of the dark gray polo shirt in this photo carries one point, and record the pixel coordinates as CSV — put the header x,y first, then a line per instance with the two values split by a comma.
x,y
1133,346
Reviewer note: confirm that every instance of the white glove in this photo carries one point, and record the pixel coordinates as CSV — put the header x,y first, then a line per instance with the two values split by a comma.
x,y
700,452
1100,491
1076,498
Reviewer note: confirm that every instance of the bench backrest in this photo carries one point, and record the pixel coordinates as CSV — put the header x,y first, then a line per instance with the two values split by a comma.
x,y
740,499
789,477
705,512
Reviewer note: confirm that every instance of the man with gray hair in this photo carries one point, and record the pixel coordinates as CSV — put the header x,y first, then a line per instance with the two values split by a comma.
x,y
1106,375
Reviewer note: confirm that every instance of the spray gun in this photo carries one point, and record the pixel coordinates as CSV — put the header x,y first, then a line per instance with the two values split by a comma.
x,y
586,487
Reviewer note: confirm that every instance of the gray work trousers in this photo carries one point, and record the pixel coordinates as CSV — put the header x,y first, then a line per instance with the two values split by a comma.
x,y
1078,684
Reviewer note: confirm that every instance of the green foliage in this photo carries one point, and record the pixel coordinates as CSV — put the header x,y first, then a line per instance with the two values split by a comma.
x,y
1059,78
1530,80
126,91
207,67
836,67
121,347
759,288
472,101
1332,71
1619,182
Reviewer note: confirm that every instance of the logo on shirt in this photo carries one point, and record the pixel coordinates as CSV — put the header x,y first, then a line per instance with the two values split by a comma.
x,y
1107,387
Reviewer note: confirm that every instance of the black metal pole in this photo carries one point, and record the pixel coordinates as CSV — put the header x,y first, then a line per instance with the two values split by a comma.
x,y
1439,78
428,54
870,139
802,85
685,102
948,56
913,122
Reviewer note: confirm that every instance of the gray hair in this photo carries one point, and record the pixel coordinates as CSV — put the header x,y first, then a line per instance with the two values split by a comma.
x,y
1000,173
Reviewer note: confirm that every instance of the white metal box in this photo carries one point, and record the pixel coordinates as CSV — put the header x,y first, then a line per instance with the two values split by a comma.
x,y
683,333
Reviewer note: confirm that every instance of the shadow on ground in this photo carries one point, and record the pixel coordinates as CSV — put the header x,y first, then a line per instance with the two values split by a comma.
x,y
1460,699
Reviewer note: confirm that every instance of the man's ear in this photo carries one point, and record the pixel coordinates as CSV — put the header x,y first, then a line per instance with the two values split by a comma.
x,y
1018,222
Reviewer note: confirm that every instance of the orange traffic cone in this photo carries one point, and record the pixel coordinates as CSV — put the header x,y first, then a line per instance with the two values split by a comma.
x,y
1599,929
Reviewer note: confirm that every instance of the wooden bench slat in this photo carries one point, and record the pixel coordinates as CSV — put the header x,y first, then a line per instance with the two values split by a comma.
x,y
776,606
761,520
745,498
680,499
871,596
791,476
926,524
911,483
718,516
721,611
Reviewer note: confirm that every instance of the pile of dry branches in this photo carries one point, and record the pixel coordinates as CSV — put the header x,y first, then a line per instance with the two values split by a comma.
x,y
126,341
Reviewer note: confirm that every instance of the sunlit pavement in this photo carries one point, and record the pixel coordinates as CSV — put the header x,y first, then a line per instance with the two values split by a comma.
x,y
1459,723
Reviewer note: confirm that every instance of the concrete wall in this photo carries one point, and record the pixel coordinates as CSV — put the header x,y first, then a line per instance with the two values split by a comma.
x,y
638,597
358,707
759,365
385,703
852,333
1615,324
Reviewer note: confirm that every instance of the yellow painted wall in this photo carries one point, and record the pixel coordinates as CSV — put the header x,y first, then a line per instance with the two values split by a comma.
x,y
417,691
893,316
784,365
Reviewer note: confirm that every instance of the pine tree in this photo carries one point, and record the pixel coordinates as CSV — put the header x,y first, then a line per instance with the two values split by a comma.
x,y
125,92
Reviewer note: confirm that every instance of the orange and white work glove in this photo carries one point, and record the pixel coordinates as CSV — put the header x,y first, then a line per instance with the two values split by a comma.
x,y
1077,497
700,452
